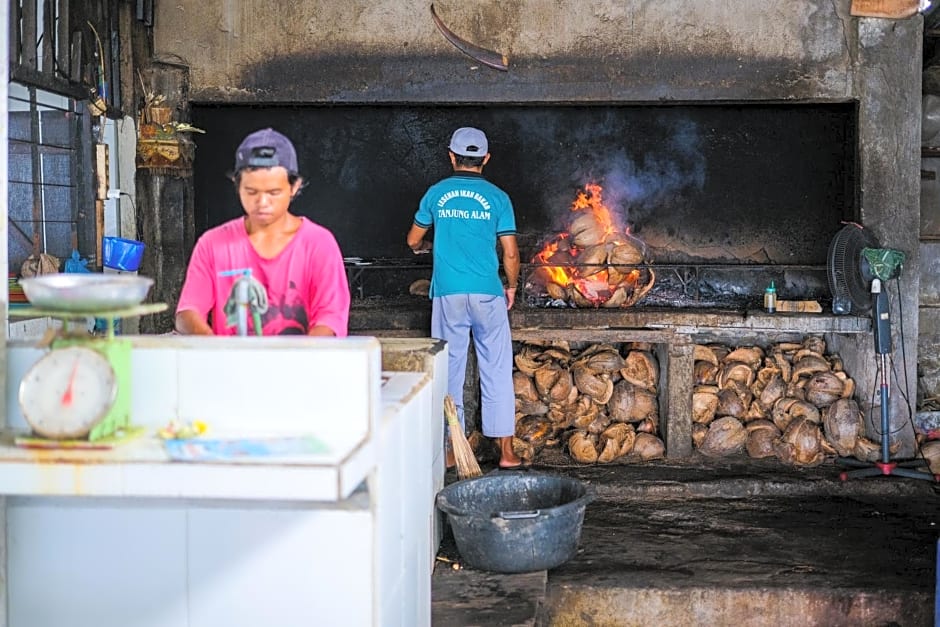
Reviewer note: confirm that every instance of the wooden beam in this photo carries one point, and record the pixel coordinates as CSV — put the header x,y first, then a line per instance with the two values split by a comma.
x,y
27,54
48,38
63,44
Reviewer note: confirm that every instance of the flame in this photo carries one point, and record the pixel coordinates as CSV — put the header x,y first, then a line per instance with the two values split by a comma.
x,y
591,199
595,281
556,274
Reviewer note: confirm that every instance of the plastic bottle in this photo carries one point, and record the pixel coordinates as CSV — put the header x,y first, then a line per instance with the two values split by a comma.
x,y
770,298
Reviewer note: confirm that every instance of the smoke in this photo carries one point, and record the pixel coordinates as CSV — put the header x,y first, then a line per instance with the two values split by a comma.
x,y
635,183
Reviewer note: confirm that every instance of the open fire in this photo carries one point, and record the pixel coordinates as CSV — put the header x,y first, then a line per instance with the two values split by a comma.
x,y
596,262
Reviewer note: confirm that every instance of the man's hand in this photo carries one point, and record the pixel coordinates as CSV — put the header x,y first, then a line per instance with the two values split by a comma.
x,y
510,297
423,247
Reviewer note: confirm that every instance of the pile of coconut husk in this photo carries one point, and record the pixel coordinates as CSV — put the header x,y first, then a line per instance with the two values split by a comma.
x,y
789,400
598,402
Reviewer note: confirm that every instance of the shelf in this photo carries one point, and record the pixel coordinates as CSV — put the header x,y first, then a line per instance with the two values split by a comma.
x,y
124,312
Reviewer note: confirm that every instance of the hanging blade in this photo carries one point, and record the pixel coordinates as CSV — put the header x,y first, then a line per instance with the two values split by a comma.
x,y
489,58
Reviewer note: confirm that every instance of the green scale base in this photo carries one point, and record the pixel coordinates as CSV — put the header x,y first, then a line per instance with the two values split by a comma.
x,y
118,353
115,349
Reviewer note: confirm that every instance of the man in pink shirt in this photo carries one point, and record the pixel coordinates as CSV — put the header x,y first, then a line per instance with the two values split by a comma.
x,y
297,261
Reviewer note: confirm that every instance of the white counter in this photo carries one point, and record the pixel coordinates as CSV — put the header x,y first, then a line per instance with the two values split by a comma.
x,y
128,537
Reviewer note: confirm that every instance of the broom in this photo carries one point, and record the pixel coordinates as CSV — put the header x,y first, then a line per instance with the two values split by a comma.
x,y
467,466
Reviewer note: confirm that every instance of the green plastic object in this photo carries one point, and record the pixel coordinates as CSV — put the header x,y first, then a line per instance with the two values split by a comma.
x,y
118,353
885,263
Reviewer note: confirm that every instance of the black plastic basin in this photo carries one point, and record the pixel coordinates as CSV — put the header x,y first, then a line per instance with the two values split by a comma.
x,y
516,522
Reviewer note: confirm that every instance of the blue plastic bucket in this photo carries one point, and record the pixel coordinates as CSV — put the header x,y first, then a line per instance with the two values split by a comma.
x,y
121,254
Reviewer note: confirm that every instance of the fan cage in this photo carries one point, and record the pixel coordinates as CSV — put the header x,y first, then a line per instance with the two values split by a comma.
x,y
850,290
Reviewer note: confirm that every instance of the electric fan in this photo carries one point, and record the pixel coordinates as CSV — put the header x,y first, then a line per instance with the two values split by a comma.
x,y
849,281
858,274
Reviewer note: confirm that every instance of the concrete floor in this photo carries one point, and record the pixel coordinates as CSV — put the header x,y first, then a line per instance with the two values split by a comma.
x,y
706,542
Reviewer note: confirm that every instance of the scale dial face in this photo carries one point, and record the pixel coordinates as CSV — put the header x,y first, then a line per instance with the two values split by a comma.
x,y
67,392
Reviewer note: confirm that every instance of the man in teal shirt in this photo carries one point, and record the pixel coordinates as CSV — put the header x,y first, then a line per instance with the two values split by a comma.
x,y
469,214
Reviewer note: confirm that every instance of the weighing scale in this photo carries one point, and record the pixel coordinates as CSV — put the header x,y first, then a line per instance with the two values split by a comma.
x,y
78,395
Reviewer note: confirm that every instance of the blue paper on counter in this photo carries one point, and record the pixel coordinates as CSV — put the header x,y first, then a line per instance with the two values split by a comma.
x,y
243,449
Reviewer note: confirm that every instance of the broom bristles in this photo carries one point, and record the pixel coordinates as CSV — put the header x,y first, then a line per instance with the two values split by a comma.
x,y
467,465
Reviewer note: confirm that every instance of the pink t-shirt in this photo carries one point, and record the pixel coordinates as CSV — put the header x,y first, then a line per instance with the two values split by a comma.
x,y
306,282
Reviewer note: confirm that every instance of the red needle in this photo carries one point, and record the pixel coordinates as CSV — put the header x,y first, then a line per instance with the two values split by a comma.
x,y
67,397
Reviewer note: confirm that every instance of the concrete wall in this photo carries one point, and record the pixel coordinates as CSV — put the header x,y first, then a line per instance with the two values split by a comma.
x,y
642,51
364,50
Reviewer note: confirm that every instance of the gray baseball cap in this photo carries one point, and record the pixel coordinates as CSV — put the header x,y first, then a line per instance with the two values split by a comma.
x,y
266,149
469,142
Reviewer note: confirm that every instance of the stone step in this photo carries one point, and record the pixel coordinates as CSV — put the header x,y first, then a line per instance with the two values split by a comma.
x,y
692,545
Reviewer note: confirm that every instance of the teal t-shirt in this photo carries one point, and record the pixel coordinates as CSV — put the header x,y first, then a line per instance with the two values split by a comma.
x,y
468,214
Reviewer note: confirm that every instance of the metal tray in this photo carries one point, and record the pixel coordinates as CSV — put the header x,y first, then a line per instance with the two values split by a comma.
x,y
86,292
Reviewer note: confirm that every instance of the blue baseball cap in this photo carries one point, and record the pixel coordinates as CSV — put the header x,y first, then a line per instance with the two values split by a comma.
x,y
266,149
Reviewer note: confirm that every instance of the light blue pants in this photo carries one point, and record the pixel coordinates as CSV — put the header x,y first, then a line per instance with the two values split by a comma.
x,y
453,319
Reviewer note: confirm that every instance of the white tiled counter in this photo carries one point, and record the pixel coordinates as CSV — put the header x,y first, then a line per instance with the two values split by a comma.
x,y
127,537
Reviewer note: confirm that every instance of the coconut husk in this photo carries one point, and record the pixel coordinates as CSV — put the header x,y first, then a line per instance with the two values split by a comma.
x,y
641,369
726,436
534,429
699,431
536,408
772,392
585,415
581,447
629,440
805,409
598,387
701,352
800,444
586,231
931,452
767,373
421,287
786,368
650,424
730,404
761,435
705,373
600,422
561,390
577,297
809,365
617,299
750,355
755,411
626,254
524,450
555,291
843,425
815,343
523,387
526,361
605,361
648,447
866,450
704,407
545,378
629,403
610,441
735,371
824,388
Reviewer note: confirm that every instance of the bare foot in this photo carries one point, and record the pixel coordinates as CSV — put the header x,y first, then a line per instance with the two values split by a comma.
x,y
508,457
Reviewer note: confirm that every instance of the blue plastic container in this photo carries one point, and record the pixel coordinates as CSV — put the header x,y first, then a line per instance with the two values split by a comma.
x,y
121,254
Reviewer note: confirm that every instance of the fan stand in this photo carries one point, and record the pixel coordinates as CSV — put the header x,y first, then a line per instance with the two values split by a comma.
x,y
885,467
